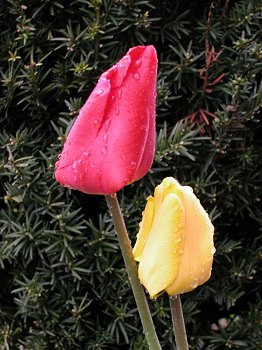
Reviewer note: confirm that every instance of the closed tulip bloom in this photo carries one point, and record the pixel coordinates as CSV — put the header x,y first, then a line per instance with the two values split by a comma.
x,y
174,245
112,141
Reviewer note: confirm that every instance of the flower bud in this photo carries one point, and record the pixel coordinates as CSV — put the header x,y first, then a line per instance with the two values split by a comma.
x,y
174,245
112,141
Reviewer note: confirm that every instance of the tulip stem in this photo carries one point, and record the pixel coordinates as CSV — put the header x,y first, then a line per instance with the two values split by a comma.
x,y
131,268
178,322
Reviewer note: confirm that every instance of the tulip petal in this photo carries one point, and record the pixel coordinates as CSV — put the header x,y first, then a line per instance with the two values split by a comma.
x,y
145,226
161,255
132,138
196,261
85,130
111,143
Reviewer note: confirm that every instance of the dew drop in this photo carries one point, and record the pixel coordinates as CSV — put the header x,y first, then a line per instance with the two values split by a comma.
x,y
105,138
96,123
86,167
119,94
136,76
117,111
92,165
143,127
138,62
104,150
213,250
86,155
194,284
133,165
57,163
124,61
107,125
59,156
75,168
99,92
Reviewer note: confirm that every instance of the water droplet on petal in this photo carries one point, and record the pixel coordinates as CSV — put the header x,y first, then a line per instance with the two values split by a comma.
x,y
113,98
107,125
133,165
86,155
104,150
194,284
143,128
99,92
119,94
136,76
105,138
117,111
125,61
138,62
75,167
59,156
86,167
96,123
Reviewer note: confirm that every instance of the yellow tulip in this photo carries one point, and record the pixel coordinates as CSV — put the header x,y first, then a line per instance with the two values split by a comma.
x,y
174,244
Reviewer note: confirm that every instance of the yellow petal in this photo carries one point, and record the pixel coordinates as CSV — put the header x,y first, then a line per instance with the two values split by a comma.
x,y
161,254
196,261
168,185
145,226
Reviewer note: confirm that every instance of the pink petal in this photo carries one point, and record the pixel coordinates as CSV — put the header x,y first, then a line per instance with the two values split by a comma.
x,y
112,141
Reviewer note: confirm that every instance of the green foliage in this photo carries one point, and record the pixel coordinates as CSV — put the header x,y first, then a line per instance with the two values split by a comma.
x,y
63,284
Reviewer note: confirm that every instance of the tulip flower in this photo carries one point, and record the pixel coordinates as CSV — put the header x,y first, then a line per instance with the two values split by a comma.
x,y
112,141
175,242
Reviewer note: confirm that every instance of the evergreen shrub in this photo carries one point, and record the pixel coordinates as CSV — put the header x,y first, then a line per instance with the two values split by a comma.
x,y
63,284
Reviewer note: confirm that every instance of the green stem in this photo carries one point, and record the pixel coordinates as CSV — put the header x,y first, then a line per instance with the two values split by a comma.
x,y
178,322
131,268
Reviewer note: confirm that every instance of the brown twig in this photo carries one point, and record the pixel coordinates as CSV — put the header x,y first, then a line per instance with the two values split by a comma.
x,y
225,7
211,57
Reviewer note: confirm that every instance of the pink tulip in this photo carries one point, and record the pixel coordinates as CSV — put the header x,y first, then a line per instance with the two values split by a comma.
x,y
112,141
